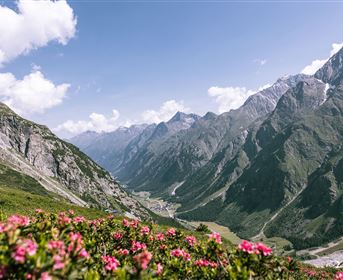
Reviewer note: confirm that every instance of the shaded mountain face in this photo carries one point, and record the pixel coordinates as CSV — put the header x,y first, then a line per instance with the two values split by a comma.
x,y
284,180
107,149
227,160
60,167
147,165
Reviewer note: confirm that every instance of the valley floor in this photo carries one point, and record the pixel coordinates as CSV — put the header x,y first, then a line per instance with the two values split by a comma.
x,y
168,209
328,255
158,206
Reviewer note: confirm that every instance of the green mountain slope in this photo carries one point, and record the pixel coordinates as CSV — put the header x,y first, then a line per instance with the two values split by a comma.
x,y
21,194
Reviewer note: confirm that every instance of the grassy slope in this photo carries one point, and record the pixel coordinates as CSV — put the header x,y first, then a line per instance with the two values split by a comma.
x,y
21,194
16,201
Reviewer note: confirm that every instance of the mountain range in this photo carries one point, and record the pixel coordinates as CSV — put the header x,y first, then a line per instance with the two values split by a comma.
x,y
272,167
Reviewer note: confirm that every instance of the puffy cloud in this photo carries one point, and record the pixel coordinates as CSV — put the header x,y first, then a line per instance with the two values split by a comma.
x,y
34,25
229,97
318,63
166,111
97,122
33,94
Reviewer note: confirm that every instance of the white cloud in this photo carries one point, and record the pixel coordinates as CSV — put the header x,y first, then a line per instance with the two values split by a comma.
x,y
34,25
260,61
33,94
229,97
318,63
100,123
97,122
166,112
264,87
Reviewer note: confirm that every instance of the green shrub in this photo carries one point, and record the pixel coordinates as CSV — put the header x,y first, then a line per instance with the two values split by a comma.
x,y
65,246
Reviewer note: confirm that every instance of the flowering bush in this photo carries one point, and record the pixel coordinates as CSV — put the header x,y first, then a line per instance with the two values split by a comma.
x,y
49,246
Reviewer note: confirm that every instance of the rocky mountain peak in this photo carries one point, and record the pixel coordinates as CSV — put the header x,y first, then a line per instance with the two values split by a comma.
x,y
305,96
183,117
265,101
209,116
332,71
180,121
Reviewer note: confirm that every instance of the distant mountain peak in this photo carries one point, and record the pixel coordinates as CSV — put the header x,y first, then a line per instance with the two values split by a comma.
x,y
180,116
209,116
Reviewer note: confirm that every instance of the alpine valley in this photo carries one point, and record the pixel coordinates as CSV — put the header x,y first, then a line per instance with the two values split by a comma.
x,y
273,167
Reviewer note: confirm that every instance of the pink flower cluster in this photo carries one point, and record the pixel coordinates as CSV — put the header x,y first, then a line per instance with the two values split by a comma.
x,y
145,230
143,259
339,275
204,263
23,248
76,245
214,236
61,252
126,223
17,220
123,252
171,232
159,268
64,219
179,253
45,276
191,240
79,219
132,224
57,245
111,263
58,262
136,246
97,222
159,236
252,248
117,236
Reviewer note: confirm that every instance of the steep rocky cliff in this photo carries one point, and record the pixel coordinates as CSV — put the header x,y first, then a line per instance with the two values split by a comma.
x,y
58,166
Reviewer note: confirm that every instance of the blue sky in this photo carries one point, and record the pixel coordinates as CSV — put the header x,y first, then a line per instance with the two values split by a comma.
x,y
133,57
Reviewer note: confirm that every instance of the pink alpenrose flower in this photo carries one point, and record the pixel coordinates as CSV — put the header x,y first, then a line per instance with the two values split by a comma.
x,y
143,259
111,263
339,275
214,236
